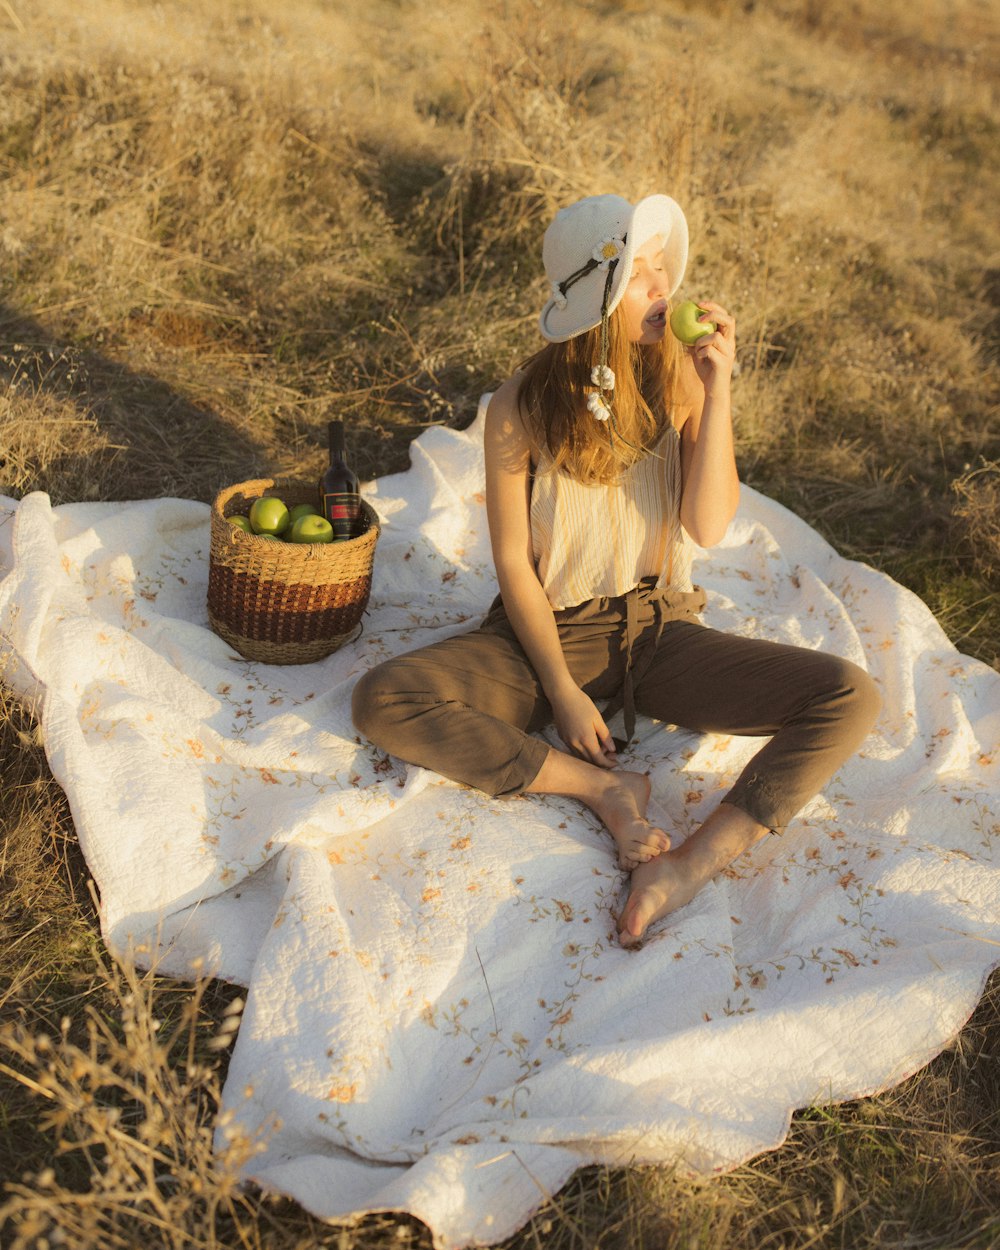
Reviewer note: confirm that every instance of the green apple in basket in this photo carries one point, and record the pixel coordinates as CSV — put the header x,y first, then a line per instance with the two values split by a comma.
x,y
268,516
300,510
240,523
311,528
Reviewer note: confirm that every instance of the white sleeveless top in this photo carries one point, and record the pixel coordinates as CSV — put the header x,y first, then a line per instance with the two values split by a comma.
x,y
591,541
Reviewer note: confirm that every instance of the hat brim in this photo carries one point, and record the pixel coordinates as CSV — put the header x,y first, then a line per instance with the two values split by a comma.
x,y
654,215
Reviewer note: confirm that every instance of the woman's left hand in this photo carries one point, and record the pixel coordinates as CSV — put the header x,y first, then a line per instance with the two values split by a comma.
x,y
715,354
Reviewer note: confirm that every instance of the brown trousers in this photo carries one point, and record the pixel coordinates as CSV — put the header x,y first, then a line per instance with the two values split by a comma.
x,y
466,707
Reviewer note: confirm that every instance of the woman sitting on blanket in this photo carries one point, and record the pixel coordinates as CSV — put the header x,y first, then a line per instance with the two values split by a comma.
x,y
606,454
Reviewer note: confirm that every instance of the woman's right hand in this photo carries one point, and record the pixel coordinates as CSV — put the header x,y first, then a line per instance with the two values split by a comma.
x,y
581,727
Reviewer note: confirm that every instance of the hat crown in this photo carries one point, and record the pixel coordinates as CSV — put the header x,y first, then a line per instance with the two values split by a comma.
x,y
588,251
577,229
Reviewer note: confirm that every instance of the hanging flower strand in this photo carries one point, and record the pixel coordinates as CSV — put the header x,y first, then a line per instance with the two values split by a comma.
x,y
606,256
597,406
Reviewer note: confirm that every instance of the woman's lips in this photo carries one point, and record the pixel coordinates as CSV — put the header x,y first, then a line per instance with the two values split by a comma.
x,y
657,320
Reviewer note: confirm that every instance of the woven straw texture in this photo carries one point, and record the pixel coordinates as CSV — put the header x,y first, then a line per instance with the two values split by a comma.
x,y
285,603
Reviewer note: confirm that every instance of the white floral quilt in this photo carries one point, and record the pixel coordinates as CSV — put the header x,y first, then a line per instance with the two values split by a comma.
x,y
439,1019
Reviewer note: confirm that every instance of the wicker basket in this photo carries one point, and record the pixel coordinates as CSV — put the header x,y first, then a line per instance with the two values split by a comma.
x,y
285,603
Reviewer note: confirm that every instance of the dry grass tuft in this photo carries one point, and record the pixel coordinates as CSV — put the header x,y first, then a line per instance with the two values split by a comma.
x,y
978,510
130,1104
45,435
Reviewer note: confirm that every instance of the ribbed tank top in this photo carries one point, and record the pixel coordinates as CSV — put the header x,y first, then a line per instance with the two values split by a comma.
x,y
594,540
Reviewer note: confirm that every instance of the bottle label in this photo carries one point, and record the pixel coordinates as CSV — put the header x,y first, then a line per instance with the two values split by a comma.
x,y
343,511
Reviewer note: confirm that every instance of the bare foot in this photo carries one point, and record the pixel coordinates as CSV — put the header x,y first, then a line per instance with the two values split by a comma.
x,y
672,879
658,887
621,804
618,798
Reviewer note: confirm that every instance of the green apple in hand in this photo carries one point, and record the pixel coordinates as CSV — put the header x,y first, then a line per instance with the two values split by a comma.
x,y
268,516
685,324
311,528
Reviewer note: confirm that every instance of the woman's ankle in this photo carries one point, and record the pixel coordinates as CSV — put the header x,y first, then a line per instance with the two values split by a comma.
x,y
565,774
721,838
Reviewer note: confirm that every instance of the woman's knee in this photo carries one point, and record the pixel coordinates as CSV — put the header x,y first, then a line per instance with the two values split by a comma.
x,y
389,700
374,697
856,696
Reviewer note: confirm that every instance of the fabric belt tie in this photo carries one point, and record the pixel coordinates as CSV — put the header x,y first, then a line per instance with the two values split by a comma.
x,y
667,605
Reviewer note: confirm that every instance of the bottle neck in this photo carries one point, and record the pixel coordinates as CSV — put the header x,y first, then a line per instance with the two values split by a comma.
x,y
335,434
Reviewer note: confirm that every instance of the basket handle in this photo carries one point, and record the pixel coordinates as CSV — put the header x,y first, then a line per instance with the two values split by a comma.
x,y
246,490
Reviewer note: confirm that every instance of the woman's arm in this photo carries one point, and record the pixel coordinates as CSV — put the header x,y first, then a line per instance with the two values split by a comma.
x,y
508,498
711,487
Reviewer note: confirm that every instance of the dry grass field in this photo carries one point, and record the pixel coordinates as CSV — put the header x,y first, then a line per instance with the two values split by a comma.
x,y
222,221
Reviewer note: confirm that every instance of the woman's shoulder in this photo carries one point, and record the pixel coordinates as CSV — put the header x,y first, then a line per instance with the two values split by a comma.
x,y
505,427
506,394
503,414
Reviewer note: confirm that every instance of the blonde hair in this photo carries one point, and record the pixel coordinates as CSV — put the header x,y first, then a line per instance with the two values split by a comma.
x,y
553,400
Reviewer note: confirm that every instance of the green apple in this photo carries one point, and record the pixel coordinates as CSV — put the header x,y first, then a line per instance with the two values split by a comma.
x,y
268,515
240,523
685,324
300,510
311,528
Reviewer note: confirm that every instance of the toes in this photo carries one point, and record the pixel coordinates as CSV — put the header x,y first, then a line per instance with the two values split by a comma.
x,y
630,923
650,843
641,852
625,935
640,844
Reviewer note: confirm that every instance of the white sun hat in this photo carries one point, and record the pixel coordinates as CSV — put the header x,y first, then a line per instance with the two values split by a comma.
x,y
588,252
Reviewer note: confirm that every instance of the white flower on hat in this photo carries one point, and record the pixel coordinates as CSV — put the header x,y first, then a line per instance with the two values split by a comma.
x,y
598,407
607,250
603,377
558,296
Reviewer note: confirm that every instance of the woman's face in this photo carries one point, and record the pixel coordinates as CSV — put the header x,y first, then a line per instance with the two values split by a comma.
x,y
644,304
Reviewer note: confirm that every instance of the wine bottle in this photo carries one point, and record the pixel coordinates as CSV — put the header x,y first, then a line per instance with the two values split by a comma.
x,y
340,499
